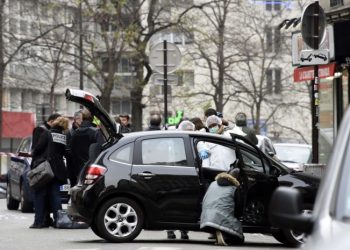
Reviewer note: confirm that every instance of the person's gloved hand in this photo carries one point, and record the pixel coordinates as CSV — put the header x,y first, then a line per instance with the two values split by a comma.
x,y
204,154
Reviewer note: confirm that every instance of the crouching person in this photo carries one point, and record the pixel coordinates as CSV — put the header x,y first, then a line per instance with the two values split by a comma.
x,y
218,209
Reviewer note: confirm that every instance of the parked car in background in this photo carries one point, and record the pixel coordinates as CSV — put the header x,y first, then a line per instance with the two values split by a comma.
x,y
18,192
328,225
294,155
155,180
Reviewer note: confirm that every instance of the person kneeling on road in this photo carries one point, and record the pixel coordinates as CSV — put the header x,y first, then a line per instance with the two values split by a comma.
x,y
218,209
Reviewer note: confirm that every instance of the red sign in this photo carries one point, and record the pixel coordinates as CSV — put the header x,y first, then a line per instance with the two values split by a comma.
x,y
307,73
17,124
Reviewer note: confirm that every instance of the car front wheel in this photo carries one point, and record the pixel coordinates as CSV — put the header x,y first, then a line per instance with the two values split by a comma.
x,y
119,220
289,237
11,203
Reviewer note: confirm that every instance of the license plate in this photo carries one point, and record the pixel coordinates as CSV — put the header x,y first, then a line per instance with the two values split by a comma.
x,y
65,187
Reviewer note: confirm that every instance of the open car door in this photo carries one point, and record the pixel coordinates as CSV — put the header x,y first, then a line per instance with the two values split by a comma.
x,y
109,128
257,182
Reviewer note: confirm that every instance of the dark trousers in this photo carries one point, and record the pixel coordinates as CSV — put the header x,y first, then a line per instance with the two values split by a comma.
x,y
40,206
49,194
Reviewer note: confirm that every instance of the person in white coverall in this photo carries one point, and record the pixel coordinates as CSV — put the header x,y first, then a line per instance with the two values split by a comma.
x,y
213,155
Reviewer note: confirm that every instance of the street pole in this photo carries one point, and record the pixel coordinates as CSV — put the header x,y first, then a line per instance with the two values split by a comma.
x,y
315,92
165,65
81,62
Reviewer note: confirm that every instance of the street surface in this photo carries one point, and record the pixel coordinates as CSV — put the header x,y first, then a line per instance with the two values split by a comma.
x,y
15,235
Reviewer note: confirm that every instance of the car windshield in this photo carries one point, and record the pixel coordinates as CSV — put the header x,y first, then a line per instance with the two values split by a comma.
x,y
289,153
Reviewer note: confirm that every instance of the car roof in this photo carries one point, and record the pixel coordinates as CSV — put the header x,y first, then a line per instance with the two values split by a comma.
x,y
174,132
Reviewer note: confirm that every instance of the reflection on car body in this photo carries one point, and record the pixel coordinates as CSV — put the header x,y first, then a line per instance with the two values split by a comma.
x,y
155,180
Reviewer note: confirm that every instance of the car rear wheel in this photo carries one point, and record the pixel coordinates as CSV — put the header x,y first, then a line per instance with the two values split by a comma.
x,y
289,237
119,220
93,227
26,206
12,204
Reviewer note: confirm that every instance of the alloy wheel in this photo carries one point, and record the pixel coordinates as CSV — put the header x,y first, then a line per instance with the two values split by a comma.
x,y
120,219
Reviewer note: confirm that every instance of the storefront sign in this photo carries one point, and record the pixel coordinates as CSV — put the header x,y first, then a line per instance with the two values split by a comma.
x,y
307,73
176,119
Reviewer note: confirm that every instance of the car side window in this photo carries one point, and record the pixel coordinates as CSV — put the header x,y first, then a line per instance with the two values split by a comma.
x,y
164,151
123,154
252,162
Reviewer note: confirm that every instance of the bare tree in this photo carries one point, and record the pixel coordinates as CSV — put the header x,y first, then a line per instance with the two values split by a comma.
x,y
244,60
12,43
125,28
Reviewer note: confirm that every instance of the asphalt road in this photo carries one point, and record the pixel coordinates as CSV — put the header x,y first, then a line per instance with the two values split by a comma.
x,y
15,235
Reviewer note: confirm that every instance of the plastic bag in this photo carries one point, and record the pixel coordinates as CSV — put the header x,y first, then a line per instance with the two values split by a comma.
x,y
64,222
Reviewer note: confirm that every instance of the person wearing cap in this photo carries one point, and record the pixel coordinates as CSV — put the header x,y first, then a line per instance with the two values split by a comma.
x,y
241,128
219,157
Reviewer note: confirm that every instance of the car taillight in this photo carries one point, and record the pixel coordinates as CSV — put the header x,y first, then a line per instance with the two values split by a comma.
x,y
93,172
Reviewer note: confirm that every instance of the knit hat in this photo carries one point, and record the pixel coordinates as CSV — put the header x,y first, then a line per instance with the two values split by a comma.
x,y
213,119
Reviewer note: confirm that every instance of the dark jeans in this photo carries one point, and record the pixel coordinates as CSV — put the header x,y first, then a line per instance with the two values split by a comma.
x,y
49,194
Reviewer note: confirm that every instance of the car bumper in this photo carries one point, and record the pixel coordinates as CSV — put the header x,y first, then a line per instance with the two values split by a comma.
x,y
82,204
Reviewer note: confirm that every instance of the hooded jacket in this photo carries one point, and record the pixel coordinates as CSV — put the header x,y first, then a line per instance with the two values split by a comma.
x,y
218,207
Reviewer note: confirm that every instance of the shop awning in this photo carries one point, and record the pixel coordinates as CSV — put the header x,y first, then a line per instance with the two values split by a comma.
x,y
17,124
307,73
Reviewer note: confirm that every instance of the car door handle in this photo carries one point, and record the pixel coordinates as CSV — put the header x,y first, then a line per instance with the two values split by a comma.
x,y
146,174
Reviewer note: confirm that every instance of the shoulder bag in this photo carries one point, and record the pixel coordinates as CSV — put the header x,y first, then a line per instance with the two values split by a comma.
x,y
40,175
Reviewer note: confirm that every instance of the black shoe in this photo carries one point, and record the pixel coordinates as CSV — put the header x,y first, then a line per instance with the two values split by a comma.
x,y
184,235
38,226
171,235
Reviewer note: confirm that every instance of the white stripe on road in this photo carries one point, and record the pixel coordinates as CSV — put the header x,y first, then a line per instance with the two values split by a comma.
x,y
159,248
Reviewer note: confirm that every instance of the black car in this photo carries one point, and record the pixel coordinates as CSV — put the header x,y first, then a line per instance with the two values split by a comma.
x,y
155,180
18,192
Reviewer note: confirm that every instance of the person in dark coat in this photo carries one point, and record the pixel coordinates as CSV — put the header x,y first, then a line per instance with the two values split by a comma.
x,y
125,125
241,123
77,120
155,123
218,210
39,154
80,143
37,132
54,143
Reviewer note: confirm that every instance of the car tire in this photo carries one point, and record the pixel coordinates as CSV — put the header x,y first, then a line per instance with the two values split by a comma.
x,y
93,227
11,203
289,237
26,206
122,214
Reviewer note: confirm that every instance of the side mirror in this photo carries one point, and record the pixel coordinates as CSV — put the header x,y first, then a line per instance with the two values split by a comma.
x,y
285,211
